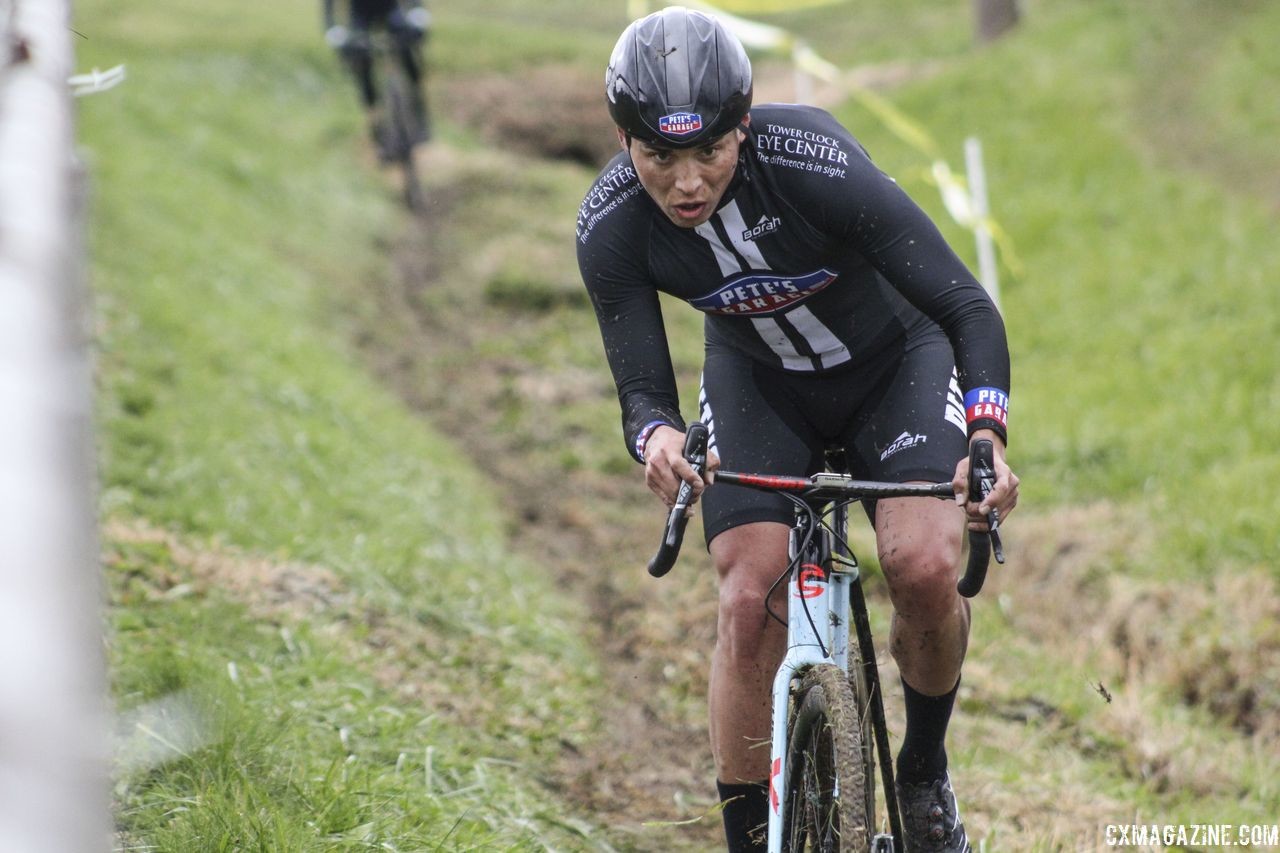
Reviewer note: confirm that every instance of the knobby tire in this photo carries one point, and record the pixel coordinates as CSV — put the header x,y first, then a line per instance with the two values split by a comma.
x,y
828,807
402,133
866,736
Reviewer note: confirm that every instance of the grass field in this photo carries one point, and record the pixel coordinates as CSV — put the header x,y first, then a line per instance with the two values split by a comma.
x,y
304,399
324,575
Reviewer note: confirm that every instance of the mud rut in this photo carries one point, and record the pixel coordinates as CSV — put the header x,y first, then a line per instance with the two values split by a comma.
x,y
648,773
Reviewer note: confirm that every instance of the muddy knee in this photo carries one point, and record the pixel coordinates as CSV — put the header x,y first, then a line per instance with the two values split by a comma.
x,y
922,579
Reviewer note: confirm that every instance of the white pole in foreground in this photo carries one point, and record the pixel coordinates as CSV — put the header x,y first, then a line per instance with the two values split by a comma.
x,y
53,731
988,273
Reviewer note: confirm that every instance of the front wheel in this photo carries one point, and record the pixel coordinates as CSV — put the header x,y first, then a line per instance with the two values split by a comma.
x,y
827,804
403,131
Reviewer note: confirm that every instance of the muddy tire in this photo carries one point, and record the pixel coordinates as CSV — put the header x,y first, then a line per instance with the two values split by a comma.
x,y
866,735
402,133
827,801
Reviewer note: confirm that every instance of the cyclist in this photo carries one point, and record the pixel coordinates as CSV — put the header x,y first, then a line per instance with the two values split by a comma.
x,y
835,314
407,21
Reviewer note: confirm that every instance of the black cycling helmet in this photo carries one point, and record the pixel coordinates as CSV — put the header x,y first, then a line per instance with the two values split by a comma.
x,y
678,78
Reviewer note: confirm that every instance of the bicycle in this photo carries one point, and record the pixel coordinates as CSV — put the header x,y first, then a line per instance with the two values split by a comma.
x,y
828,713
404,120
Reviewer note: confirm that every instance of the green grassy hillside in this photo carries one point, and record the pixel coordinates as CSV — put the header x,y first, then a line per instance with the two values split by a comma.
x,y
1144,330
323,576
303,395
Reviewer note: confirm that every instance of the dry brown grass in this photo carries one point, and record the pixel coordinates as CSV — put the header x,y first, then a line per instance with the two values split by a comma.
x,y
414,659
1084,584
551,111
268,588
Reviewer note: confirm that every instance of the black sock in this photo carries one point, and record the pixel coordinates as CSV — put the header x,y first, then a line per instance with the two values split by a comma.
x,y
923,756
746,816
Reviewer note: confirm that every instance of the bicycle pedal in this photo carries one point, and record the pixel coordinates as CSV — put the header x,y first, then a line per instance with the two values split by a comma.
x,y
882,843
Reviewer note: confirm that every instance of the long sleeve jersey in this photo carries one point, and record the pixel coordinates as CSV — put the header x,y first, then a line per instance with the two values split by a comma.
x,y
814,260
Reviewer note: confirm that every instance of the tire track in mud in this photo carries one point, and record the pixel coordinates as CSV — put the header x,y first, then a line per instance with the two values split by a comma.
x,y
647,776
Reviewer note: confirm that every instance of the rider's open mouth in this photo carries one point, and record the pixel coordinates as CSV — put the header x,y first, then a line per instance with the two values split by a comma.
x,y
690,209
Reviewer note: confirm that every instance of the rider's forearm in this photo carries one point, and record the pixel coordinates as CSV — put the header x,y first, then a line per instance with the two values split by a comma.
x,y
977,334
635,346
642,413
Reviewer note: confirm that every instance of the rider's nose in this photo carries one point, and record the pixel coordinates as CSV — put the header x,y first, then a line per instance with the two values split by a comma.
x,y
688,179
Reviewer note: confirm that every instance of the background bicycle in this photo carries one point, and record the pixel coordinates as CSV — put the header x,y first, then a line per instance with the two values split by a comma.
x,y
383,46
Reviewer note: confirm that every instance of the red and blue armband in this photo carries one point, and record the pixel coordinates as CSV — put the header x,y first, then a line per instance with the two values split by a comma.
x,y
987,408
642,437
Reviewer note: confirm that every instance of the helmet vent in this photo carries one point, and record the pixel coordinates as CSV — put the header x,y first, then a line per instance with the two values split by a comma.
x,y
675,58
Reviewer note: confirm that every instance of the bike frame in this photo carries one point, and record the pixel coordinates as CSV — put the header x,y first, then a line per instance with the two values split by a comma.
x,y
399,121
819,594
815,594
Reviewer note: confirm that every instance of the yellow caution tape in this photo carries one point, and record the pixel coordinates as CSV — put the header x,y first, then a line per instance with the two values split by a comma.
x,y
958,202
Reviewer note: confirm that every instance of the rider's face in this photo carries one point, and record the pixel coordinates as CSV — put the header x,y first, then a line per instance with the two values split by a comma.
x,y
686,183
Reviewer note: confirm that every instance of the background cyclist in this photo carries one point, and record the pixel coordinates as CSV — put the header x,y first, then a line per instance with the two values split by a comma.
x,y
408,22
835,313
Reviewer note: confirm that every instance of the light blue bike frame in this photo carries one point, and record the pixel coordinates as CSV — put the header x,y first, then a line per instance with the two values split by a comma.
x,y
816,598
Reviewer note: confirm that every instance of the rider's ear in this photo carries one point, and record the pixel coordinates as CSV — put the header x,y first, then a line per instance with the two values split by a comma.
x,y
622,138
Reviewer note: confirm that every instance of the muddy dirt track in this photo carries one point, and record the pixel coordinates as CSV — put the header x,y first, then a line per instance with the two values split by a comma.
x,y
652,766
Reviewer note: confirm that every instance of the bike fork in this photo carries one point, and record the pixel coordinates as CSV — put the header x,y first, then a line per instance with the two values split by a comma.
x,y
778,769
812,592
817,633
